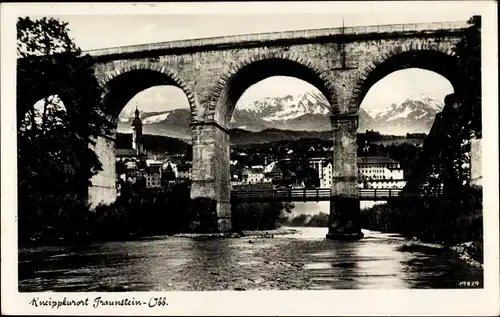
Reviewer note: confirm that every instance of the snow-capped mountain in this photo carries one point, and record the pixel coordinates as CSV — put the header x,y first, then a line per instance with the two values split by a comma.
x,y
413,116
304,112
272,109
308,111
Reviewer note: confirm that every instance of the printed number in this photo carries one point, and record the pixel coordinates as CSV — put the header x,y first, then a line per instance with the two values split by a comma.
x,y
468,283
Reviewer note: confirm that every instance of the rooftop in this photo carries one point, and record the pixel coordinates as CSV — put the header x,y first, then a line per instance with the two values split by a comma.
x,y
126,152
376,160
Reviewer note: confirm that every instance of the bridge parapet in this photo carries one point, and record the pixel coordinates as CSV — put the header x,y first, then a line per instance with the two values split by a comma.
x,y
262,38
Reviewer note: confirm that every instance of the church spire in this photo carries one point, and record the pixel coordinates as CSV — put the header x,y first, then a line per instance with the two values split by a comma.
x,y
137,133
137,120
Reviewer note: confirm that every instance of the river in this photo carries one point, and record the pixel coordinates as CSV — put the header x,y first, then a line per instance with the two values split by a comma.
x,y
301,261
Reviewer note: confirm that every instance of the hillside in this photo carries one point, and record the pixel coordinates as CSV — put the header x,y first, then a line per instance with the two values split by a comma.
x,y
242,139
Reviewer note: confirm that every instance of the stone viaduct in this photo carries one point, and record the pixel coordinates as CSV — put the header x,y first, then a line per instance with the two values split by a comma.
x,y
343,63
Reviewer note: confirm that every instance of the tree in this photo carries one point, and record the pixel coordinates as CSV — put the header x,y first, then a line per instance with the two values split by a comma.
x,y
59,115
468,53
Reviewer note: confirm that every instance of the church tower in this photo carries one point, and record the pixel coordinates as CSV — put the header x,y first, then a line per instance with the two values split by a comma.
x,y
137,144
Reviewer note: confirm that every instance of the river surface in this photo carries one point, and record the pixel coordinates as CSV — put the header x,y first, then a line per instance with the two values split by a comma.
x,y
301,261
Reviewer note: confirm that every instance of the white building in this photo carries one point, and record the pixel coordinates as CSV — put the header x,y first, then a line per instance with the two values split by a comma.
x,y
256,175
325,180
317,163
253,176
373,172
379,168
379,172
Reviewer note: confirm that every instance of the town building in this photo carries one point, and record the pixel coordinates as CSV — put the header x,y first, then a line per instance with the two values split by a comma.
x,y
153,176
253,175
380,172
325,179
184,171
377,172
379,168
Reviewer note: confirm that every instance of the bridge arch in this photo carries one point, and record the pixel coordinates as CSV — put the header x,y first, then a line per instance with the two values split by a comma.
x,y
122,84
251,70
119,86
435,57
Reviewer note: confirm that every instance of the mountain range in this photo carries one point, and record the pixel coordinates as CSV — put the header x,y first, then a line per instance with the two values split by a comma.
x,y
303,115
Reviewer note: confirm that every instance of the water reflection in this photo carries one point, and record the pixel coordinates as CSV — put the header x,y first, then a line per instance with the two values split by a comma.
x,y
303,261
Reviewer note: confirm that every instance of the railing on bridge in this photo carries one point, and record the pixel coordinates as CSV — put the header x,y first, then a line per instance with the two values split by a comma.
x,y
318,194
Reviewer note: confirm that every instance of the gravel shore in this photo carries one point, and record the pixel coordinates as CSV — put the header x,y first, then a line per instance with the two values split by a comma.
x,y
244,233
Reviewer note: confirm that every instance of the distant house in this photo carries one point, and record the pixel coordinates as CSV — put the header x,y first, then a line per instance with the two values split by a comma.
x,y
153,176
325,180
184,171
272,172
253,175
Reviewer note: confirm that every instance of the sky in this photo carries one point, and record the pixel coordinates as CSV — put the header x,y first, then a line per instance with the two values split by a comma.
x,y
104,31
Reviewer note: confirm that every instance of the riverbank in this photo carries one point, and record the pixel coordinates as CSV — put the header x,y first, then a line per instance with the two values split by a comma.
x,y
468,252
455,223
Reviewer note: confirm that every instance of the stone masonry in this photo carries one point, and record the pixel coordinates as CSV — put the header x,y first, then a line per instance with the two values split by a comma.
x,y
103,189
342,63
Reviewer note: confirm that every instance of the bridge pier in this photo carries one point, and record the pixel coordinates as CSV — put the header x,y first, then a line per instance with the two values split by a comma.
x,y
344,219
211,177
344,222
